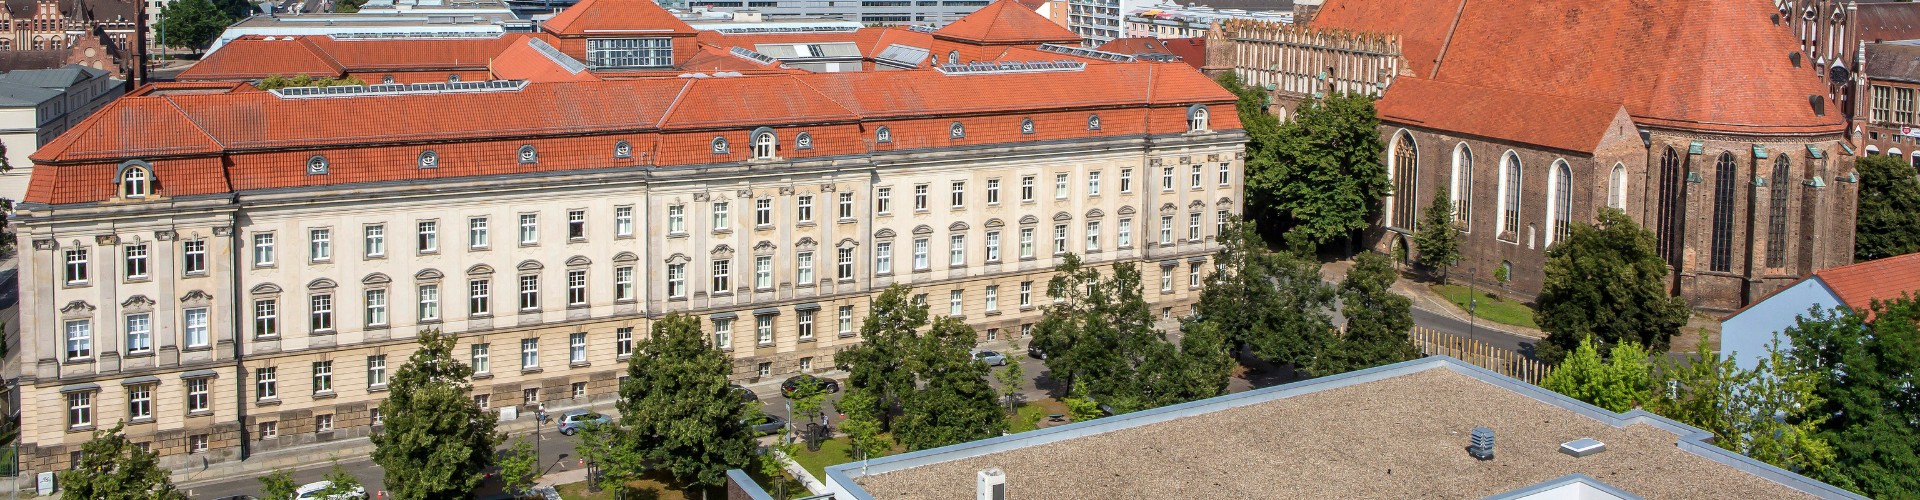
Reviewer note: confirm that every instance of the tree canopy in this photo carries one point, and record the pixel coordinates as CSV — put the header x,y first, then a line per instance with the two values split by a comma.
x,y
1889,219
678,411
1377,320
880,362
191,24
1606,281
436,441
1325,179
111,467
955,404
1272,301
1099,337
1863,364
282,81
1620,383
1438,239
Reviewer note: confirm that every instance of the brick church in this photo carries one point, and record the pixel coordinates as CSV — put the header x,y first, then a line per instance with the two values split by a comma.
x,y
1718,124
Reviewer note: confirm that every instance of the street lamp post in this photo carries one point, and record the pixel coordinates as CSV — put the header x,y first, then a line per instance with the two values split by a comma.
x,y
1473,300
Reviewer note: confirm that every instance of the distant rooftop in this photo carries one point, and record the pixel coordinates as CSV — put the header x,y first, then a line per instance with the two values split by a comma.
x,y
1202,14
1397,431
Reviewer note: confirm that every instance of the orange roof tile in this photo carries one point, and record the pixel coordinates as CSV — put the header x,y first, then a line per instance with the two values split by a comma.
x,y
1006,22
1574,125
1858,285
617,17
255,57
526,60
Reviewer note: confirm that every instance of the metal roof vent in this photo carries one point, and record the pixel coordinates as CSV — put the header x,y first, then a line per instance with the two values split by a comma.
x,y
992,484
1582,447
1482,444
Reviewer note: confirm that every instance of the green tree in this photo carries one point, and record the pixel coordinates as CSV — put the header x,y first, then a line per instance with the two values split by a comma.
x,y
348,6
770,467
1099,335
192,24
1274,302
1768,413
808,402
1438,238
281,81
1619,384
1377,320
111,467
679,411
519,466
1863,363
608,455
1606,281
1011,377
879,362
1888,223
862,425
436,441
278,485
340,484
955,403
1327,180
1263,134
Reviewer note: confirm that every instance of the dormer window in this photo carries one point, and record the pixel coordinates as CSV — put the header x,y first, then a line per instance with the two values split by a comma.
x,y
622,149
317,165
1093,122
429,159
719,145
453,78
956,130
1197,118
629,52
953,57
883,135
528,154
765,144
803,141
136,181
1026,126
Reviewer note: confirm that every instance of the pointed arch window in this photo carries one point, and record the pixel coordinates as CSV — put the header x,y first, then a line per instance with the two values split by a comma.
x,y
1461,190
1560,201
1724,182
1672,188
1777,211
136,181
1617,187
1405,170
1509,203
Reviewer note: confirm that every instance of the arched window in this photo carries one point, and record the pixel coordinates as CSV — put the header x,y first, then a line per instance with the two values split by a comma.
x,y
883,135
1404,167
1672,205
956,130
1093,122
136,181
1197,118
1026,126
803,140
317,165
622,149
719,145
765,144
1461,190
1617,187
1509,197
1724,182
528,154
1896,154
1560,201
953,57
1777,211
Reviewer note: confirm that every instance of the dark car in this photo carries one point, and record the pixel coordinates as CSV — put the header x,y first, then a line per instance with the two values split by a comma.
x,y
793,384
745,393
766,424
1035,352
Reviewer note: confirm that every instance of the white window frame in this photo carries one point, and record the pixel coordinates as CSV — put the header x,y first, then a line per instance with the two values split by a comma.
x,y
529,354
375,242
477,237
139,333
320,244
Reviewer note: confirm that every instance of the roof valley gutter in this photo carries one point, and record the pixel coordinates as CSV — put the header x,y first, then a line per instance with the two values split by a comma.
x,y
674,106
1448,41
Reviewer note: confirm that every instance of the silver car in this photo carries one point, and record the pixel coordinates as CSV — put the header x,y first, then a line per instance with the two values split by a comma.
x,y
992,358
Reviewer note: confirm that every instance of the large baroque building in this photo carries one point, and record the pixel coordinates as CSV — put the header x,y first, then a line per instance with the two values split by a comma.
x,y
232,271
1730,141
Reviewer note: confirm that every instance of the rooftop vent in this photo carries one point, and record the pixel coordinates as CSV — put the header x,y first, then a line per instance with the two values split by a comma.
x,y
1582,447
1482,445
992,484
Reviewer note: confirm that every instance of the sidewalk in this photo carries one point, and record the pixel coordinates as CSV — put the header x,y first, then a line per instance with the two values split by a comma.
x,y
1425,300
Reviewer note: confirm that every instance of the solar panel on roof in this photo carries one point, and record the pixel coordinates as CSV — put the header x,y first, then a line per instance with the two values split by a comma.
x,y
750,55
1004,67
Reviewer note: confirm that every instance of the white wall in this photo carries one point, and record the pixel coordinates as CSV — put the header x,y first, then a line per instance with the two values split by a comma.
x,y
1746,334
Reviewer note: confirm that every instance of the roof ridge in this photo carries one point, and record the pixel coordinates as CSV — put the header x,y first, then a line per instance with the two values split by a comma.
x,y
196,124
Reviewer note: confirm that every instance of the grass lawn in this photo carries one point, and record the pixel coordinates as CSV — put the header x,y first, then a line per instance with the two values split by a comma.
x,y
834,451
1489,307
1031,413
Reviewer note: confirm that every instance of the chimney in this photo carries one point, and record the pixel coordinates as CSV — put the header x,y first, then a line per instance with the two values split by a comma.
x,y
1482,445
992,484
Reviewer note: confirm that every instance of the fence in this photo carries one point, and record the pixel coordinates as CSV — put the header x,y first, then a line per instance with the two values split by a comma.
x,y
1503,361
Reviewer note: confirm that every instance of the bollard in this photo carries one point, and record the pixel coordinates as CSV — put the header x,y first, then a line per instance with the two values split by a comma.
x,y
583,462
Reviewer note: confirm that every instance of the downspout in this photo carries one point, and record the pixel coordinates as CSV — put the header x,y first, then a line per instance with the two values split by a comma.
x,y
239,344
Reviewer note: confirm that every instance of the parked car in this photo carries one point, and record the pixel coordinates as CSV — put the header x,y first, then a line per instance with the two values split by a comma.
x,y
311,491
766,424
745,393
1035,352
993,358
793,384
571,422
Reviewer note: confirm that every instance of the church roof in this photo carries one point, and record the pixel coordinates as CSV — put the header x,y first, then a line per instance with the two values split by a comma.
x,y
1709,65
1006,22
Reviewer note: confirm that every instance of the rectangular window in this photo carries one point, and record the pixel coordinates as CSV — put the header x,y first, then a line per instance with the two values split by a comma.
x,y
806,364
377,371
1026,188
529,292
846,320
193,256
483,400
139,333
195,320
576,225
721,281
623,283
957,250
136,261
846,263
993,298
529,229
322,377
1195,180
269,430
1093,183
577,348
846,205
763,272
262,254
376,308
1126,180
1166,179
959,194
1093,236
676,280
480,361
993,246
320,244
623,221
576,287
529,353
323,423
376,240
920,254
953,302
579,390
803,268
919,197
79,409
806,324
1059,186
320,313
1193,226
197,443
1166,230
1059,239
1026,294
629,52
265,384
883,200
1166,278
723,334
429,302
804,208
266,318
1219,223
197,396
1882,103
1193,274
1026,243
720,216
1125,238
479,297
763,329
373,417
883,257
676,219
530,396
477,233
1226,174
623,341
993,191
1903,105
763,212
140,402
1026,330
428,240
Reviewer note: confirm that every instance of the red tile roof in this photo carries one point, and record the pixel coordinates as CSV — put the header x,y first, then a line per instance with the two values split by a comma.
x,y
1888,21
617,17
255,57
1193,51
1858,285
1574,125
1006,22
1606,51
524,61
